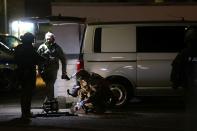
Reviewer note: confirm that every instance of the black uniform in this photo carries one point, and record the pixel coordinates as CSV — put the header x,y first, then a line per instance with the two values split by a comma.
x,y
181,64
26,58
184,73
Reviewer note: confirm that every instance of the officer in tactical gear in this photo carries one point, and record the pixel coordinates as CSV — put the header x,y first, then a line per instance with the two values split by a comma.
x,y
26,59
101,96
179,73
52,53
83,90
184,73
94,93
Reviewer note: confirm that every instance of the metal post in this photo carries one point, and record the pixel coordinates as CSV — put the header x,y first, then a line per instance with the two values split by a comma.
x,y
5,17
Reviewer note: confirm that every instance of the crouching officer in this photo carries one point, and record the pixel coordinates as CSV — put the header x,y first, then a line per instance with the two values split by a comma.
x,y
52,53
82,91
94,92
101,95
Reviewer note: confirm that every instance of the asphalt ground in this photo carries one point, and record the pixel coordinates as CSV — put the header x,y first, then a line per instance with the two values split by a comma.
x,y
144,113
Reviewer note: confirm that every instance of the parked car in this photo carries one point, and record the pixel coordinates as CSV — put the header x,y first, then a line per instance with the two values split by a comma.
x,y
133,55
7,64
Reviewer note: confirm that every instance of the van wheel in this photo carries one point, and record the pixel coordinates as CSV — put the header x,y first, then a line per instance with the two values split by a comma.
x,y
120,92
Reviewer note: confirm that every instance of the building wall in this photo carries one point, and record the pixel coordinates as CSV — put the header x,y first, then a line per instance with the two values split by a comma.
x,y
15,9
38,8
126,12
1,17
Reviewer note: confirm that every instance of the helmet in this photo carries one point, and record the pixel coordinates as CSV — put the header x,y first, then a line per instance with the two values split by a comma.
x,y
49,35
82,75
27,37
191,35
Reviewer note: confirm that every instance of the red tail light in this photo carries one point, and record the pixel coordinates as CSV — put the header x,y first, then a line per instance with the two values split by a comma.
x,y
80,65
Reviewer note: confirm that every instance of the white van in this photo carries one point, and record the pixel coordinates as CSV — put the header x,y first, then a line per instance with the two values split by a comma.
x,y
132,54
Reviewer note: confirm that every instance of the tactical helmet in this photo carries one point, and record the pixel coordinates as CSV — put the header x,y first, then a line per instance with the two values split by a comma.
x,y
49,35
82,75
191,35
27,37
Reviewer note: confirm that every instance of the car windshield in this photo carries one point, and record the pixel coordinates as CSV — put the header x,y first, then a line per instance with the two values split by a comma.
x,y
3,47
10,41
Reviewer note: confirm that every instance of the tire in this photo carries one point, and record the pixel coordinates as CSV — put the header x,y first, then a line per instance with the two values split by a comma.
x,y
120,92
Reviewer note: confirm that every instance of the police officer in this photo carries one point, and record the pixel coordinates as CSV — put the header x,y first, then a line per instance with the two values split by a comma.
x,y
52,53
94,92
179,73
101,93
184,73
26,59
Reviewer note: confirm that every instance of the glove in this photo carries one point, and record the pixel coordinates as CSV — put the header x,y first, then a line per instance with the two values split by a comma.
x,y
68,92
81,103
64,76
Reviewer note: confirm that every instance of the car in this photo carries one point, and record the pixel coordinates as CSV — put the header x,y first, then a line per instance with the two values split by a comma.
x,y
7,64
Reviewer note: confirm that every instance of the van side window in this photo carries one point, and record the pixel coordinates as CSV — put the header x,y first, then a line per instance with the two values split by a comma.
x,y
97,40
115,39
160,38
